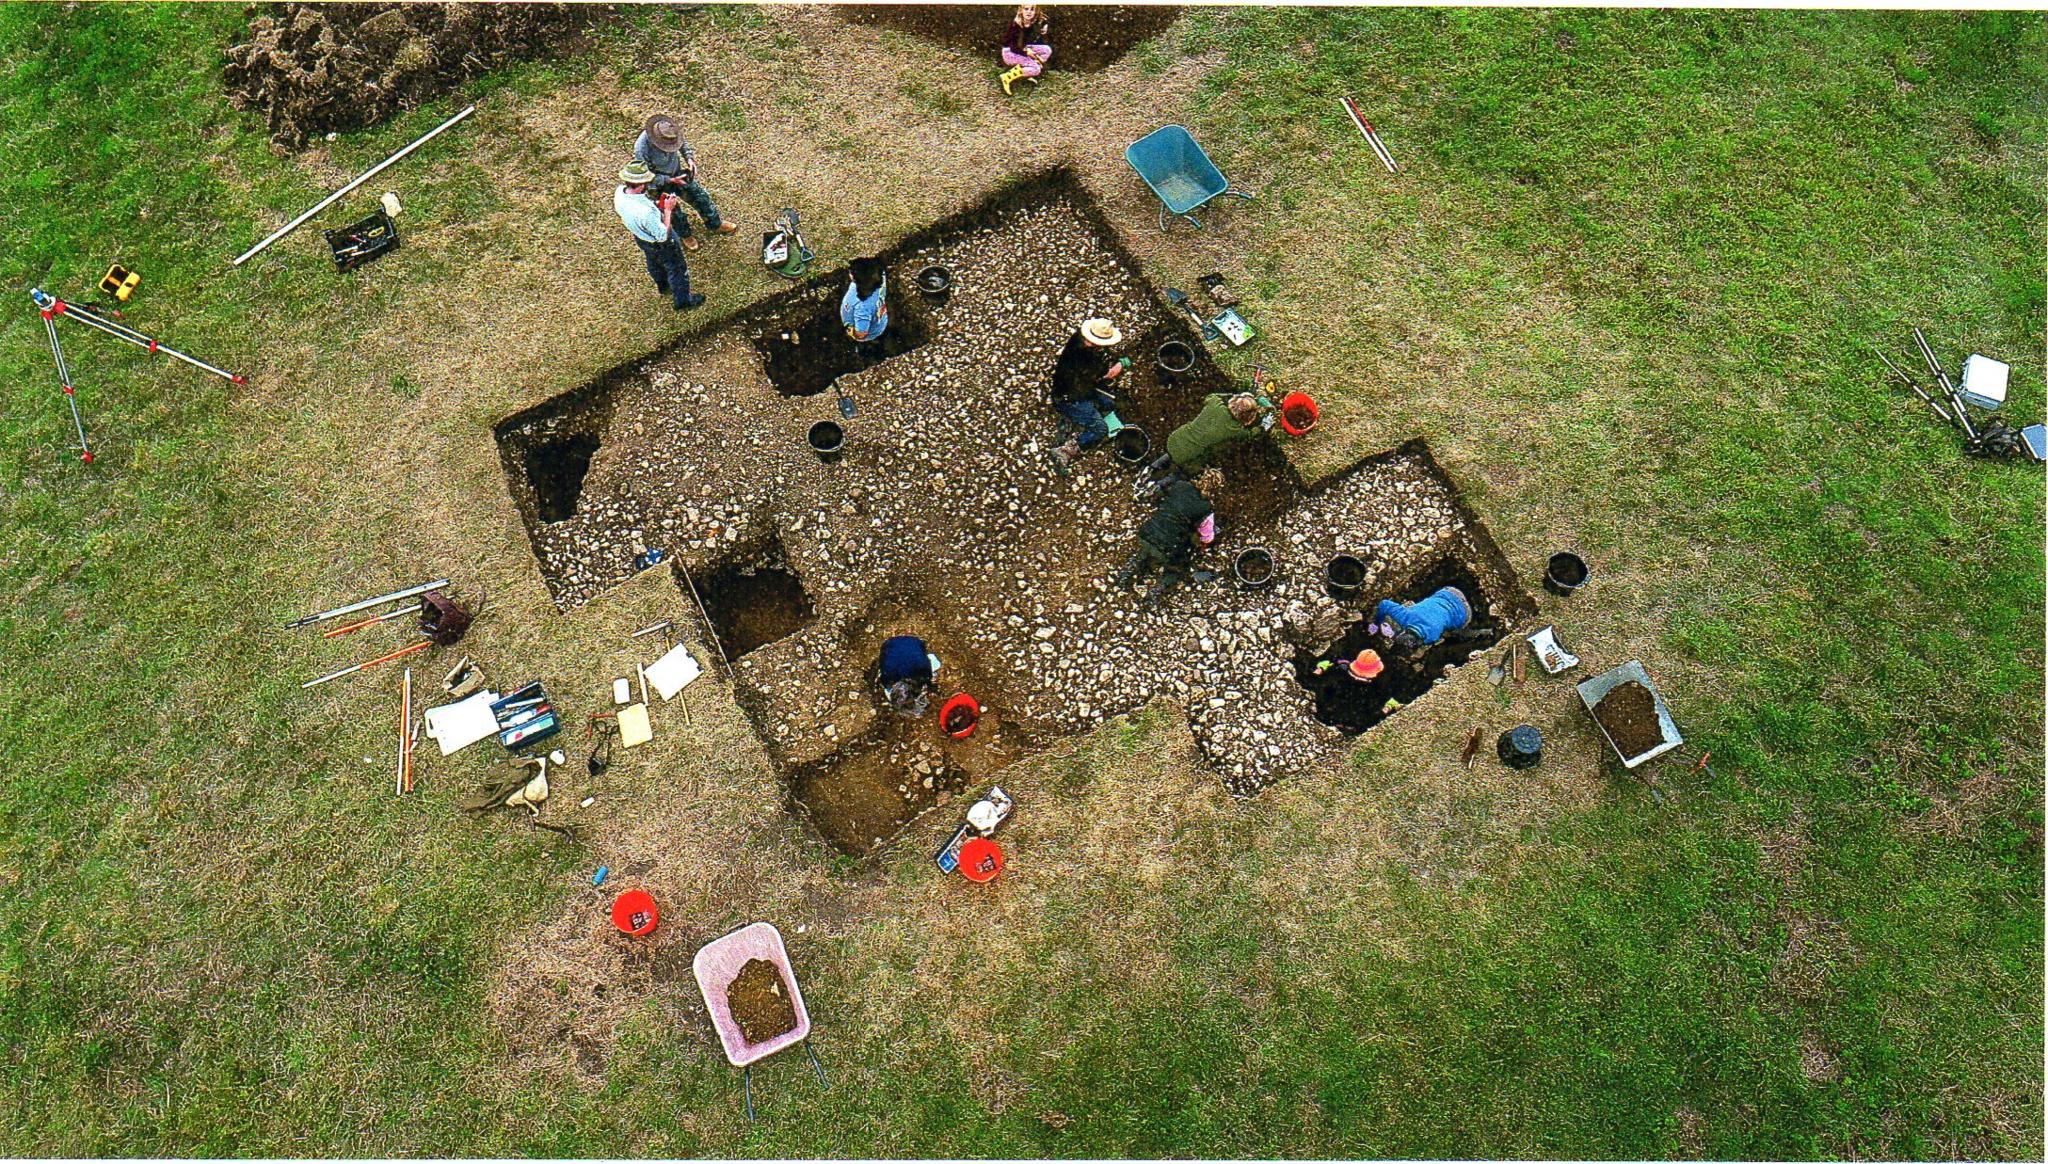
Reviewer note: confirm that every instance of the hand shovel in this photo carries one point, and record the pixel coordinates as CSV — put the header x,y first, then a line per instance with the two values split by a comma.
x,y
846,405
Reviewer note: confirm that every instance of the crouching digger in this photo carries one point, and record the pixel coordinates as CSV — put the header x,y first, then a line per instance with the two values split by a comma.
x,y
1080,388
1416,626
905,672
1168,539
1224,420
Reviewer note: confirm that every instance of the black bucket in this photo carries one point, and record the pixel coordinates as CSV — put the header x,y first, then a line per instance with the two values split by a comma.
x,y
1132,446
1520,747
1254,568
828,440
935,282
1175,358
1567,572
1343,576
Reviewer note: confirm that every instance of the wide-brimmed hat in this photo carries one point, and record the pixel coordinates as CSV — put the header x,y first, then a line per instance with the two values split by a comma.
x,y
1101,333
635,173
663,132
1366,666
1244,408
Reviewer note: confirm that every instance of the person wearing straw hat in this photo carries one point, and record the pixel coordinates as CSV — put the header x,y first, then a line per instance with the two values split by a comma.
x,y
649,218
1080,392
674,163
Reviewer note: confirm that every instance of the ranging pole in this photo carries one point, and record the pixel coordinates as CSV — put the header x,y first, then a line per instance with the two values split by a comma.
x,y
324,203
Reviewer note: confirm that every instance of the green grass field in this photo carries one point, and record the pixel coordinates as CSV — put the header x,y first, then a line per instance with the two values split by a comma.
x,y
1629,288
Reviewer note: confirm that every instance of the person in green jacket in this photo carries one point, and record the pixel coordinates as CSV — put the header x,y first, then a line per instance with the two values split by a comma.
x,y
1225,419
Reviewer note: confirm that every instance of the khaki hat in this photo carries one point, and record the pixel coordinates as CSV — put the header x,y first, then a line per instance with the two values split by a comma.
x,y
661,130
1244,408
1101,333
635,173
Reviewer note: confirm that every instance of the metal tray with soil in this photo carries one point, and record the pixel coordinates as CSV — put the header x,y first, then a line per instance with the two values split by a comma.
x,y
1630,713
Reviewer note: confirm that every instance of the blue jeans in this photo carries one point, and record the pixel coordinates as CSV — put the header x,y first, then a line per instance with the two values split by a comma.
x,y
665,262
696,195
1087,416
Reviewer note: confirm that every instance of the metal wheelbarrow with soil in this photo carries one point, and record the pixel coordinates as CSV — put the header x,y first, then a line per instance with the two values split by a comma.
x,y
751,994
1179,172
1630,713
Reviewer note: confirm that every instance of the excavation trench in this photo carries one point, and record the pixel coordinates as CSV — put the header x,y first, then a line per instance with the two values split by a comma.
x,y
943,518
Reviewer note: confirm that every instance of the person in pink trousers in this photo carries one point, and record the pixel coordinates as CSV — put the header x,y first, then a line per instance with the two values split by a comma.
x,y
1024,46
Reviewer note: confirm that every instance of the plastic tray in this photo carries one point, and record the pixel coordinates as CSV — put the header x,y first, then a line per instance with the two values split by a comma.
x,y
718,963
1595,689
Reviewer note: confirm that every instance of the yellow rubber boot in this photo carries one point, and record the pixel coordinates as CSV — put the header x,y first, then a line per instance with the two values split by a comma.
x,y
1010,78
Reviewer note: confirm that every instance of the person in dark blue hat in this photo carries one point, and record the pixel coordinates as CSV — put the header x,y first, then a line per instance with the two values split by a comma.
x,y
905,673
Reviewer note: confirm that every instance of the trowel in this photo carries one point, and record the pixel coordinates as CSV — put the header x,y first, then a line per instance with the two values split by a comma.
x,y
1179,298
846,405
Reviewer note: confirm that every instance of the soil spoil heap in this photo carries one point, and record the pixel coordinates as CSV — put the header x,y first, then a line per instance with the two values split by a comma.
x,y
1629,713
315,68
760,1002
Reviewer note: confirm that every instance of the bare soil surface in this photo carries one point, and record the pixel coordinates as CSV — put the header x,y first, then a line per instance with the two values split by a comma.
x,y
315,68
945,505
1084,38
760,1001
1629,713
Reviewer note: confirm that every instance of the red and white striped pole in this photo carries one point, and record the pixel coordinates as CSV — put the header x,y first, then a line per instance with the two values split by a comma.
x,y
51,306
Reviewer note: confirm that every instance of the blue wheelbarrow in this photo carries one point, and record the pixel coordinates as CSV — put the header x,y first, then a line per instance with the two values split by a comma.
x,y
1178,171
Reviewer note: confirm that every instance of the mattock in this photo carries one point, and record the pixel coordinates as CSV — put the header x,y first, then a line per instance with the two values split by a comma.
x,y
52,307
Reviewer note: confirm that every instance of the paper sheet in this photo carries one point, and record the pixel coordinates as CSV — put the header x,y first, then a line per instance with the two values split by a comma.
x,y
457,725
634,728
673,671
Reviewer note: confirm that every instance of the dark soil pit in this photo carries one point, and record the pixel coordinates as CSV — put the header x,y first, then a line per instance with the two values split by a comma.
x,y
761,1002
315,68
866,791
1629,714
1353,706
555,469
1258,480
1084,38
804,354
753,601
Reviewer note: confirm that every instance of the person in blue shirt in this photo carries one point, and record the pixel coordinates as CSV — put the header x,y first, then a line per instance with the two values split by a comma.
x,y
905,673
1414,626
650,221
864,309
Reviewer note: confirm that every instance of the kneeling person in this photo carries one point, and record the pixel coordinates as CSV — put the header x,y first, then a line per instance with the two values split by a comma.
x,y
1080,388
905,673
1168,539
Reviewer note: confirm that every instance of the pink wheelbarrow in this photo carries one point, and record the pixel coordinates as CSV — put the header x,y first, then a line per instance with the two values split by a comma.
x,y
716,966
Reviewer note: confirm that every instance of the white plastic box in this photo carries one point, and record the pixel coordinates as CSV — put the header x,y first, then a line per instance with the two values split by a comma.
x,y
1983,381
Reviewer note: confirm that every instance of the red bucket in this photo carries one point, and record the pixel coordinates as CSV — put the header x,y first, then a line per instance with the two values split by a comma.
x,y
634,913
980,860
1298,413
959,716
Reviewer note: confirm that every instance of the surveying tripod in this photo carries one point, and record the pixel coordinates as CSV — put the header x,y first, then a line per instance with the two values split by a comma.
x,y
52,307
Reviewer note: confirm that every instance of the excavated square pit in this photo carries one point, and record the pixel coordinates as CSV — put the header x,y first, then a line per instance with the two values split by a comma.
x,y
804,358
752,601
942,518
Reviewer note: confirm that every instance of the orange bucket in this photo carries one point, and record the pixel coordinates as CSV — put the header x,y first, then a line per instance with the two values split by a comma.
x,y
959,716
634,913
980,860
1298,413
